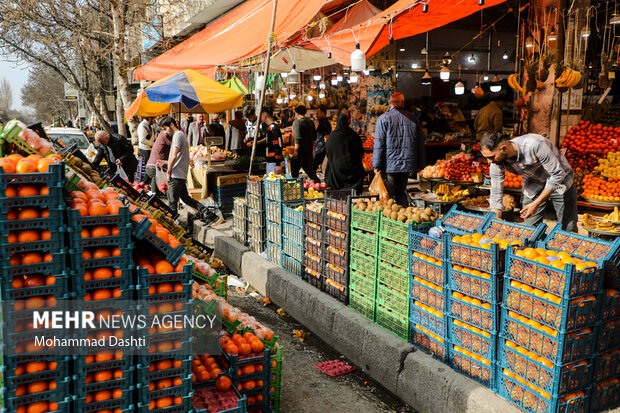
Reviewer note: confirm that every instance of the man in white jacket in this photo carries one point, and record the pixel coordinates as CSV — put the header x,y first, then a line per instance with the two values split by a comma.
x,y
146,139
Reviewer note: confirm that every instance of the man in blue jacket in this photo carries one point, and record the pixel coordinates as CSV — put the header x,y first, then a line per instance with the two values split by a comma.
x,y
399,148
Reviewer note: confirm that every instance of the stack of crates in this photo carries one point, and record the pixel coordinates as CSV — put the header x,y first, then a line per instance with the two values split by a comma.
x,y
548,329
313,243
606,375
428,276
393,289
163,376
281,193
336,244
240,220
256,223
293,238
227,188
33,261
252,376
276,379
364,252
101,274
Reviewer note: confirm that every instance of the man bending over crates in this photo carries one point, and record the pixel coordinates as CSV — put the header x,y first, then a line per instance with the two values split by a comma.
x,y
546,175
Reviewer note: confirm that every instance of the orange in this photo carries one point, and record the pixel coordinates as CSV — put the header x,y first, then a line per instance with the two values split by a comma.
x,y
257,346
223,384
102,273
8,165
38,407
45,235
28,235
163,267
97,209
100,231
164,402
43,164
102,395
10,191
103,375
102,294
25,166
164,288
31,258
28,190
101,253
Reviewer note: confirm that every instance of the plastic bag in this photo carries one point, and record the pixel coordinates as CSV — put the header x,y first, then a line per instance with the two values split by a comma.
x,y
121,172
161,180
377,187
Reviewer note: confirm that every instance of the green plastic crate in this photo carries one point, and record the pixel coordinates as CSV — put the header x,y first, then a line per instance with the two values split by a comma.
x,y
362,284
364,264
362,304
364,220
393,322
394,230
393,300
395,254
396,278
365,243
276,381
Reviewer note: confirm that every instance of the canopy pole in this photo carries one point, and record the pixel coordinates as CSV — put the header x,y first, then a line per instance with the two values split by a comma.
x,y
262,93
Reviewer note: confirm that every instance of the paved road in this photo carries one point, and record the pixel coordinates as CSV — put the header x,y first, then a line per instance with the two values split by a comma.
x,y
305,388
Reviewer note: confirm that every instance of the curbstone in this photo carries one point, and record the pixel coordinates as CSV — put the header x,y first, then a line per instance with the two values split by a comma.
x,y
276,287
255,270
349,330
230,252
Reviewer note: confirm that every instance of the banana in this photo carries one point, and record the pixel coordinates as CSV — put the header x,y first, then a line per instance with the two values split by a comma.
x,y
514,83
563,77
565,82
575,80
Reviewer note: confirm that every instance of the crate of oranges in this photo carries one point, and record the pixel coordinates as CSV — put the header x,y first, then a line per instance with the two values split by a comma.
x,y
553,345
112,400
472,365
607,366
551,310
545,375
608,336
606,395
475,283
510,231
172,402
557,273
458,222
31,181
159,368
158,285
161,384
99,231
55,402
428,293
610,307
428,268
473,311
429,342
34,262
429,318
535,400
116,380
425,244
161,240
479,252
472,338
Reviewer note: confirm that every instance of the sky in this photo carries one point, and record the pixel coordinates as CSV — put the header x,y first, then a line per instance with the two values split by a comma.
x,y
17,76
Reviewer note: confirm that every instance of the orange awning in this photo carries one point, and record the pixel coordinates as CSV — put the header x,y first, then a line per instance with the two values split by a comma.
x,y
240,34
374,34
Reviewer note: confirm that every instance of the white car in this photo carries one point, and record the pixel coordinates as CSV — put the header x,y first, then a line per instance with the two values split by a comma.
x,y
70,136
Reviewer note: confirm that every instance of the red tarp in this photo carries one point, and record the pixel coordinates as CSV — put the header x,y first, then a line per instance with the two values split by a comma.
x,y
240,34
374,35
358,14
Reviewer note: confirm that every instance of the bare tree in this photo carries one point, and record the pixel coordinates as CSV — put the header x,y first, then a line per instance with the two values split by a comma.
x,y
6,95
44,92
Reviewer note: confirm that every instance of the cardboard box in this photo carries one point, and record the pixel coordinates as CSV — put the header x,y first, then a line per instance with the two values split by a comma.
x,y
196,193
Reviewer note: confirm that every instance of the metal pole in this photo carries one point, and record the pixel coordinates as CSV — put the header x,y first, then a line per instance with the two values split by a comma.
x,y
262,93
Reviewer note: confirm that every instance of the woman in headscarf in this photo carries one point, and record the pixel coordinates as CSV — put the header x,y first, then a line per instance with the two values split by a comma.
x,y
344,157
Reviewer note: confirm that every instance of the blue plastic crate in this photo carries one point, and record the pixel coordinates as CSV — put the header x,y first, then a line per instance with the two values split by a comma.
x,y
81,368
58,289
142,232
427,270
294,251
420,241
273,211
81,388
484,372
124,403
554,379
589,249
55,266
293,234
79,264
146,280
274,233
559,348
433,296
292,265
568,315
227,193
489,260
77,222
532,401
605,396
122,240
485,287
430,345
54,244
432,322
144,394
11,363
479,342
184,348
512,232
606,366
608,336
610,306
55,221
55,176
291,216
53,200
484,318
285,190
143,375
257,217
11,402
566,283
80,286
236,363
459,221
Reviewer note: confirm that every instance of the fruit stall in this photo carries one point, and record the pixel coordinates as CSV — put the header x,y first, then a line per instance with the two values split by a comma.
x,y
97,244
529,312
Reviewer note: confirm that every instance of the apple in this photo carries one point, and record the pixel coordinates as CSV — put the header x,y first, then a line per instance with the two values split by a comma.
x,y
323,185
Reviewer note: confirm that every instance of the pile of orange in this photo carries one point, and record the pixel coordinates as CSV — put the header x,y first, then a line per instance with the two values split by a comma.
x,y
242,345
164,402
512,181
526,394
601,188
38,407
30,164
205,368
428,309
433,273
165,346
429,333
94,202
472,310
462,250
158,265
481,241
472,342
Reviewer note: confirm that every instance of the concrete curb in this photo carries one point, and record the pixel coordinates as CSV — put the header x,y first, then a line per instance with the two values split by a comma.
x,y
421,381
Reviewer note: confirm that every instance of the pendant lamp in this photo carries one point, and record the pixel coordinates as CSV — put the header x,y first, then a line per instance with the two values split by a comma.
x,y
459,88
444,74
427,79
358,59
293,77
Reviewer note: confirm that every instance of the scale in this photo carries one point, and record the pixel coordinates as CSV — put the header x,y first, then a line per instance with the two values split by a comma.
x,y
212,141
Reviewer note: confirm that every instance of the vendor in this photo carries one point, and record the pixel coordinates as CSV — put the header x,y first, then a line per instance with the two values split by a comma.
x,y
546,175
491,117
117,151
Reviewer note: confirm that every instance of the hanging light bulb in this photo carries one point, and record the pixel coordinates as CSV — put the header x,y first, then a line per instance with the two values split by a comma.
x,y
529,42
310,98
496,86
322,85
552,37
505,55
334,81
321,95
259,85
459,88
292,95
485,77
447,59
358,59
427,79
425,8
353,78
316,77
585,32
339,78
444,74
284,75
472,59
293,77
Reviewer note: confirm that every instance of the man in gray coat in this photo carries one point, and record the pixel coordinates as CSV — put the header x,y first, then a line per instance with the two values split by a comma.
x,y
399,148
197,131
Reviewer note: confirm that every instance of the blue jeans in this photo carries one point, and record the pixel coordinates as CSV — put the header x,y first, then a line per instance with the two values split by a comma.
x,y
565,206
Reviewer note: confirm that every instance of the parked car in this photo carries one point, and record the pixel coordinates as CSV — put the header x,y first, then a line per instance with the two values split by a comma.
x,y
70,136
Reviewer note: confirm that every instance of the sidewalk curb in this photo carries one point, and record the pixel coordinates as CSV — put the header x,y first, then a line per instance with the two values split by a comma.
x,y
415,377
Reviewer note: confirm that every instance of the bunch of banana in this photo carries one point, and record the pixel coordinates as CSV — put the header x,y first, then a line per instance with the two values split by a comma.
x,y
568,78
443,189
614,217
456,194
604,224
514,83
